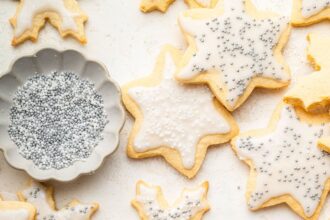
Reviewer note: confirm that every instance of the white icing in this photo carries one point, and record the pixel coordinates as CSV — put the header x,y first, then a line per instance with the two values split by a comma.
x,y
312,7
235,45
31,8
37,196
176,116
186,209
288,161
15,214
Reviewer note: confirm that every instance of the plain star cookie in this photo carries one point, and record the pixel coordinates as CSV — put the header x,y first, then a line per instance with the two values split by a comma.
x,y
13,210
234,49
42,198
31,16
151,204
312,92
162,5
286,164
307,12
178,122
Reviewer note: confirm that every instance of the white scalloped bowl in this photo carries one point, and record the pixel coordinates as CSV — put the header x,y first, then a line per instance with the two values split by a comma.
x,y
46,61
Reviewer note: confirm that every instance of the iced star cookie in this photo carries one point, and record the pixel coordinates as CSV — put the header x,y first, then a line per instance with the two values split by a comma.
x,y
312,92
178,122
42,198
13,210
162,5
31,16
234,49
151,204
286,164
307,12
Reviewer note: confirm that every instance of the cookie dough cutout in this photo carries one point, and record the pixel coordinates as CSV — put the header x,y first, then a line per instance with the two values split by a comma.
x,y
13,210
286,166
42,198
308,12
162,5
175,121
234,49
31,16
312,92
151,204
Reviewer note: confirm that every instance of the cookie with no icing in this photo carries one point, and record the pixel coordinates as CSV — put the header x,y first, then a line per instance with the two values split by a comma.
x,y
312,92
151,204
162,5
13,210
307,12
42,198
234,49
175,121
31,16
286,166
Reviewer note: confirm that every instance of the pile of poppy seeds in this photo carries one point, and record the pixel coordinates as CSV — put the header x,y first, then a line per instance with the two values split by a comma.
x,y
56,119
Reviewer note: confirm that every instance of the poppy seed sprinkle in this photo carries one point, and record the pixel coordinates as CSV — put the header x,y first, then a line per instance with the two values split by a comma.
x,y
56,119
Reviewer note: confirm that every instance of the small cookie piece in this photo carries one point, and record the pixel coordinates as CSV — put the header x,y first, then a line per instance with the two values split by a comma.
x,y
178,122
31,16
13,210
151,204
307,12
42,198
286,164
312,92
162,5
234,51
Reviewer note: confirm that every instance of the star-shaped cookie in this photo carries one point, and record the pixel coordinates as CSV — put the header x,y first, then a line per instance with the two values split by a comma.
x,y
42,198
162,5
307,12
13,210
178,122
31,16
234,49
312,92
286,164
151,204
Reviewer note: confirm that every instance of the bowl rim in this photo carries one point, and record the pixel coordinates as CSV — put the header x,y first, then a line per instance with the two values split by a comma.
x,y
74,175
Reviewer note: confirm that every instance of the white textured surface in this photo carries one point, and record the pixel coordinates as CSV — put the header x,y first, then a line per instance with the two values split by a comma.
x,y
128,42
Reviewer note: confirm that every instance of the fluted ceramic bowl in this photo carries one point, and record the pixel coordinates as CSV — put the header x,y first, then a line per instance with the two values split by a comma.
x,y
44,62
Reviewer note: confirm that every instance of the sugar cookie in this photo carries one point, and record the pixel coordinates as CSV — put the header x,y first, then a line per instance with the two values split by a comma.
x,y
234,51
31,16
42,198
151,204
162,5
307,12
312,92
178,122
13,210
286,164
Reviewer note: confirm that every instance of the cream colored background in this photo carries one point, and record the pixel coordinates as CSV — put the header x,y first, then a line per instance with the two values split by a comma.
x,y
128,42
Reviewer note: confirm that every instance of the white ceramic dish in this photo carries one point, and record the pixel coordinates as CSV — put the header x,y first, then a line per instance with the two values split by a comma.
x,y
46,61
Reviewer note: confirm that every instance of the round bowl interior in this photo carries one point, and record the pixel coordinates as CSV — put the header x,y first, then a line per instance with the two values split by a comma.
x,y
44,62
